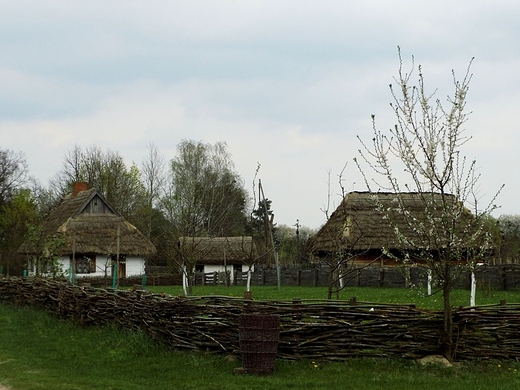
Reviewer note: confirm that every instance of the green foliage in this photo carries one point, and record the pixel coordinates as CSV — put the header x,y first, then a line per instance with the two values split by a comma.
x,y
45,260
509,227
206,196
258,228
108,173
15,216
291,243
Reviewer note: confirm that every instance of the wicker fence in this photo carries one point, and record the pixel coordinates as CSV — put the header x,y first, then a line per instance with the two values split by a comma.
x,y
309,329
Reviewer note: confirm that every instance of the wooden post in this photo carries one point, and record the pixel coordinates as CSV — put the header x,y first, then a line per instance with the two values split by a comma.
x,y
117,273
297,306
269,226
73,263
225,269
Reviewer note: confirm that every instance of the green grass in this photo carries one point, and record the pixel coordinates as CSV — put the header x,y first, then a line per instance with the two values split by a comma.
x,y
366,294
38,351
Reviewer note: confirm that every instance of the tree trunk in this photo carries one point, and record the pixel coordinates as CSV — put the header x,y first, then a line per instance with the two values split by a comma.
x,y
447,334
184,281
248,284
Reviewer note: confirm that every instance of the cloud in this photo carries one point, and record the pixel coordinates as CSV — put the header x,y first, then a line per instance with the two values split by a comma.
x,y
288,84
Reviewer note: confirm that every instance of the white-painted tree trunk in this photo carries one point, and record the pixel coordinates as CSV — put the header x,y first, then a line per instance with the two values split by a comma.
x,y
429,282
248,285
185,280
473,289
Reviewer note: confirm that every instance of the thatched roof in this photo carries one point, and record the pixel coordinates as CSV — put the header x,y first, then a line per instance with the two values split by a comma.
x,y
89,224
219,250
360,224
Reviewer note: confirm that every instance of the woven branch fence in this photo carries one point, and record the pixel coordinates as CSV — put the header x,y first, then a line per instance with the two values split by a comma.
x,y
320,330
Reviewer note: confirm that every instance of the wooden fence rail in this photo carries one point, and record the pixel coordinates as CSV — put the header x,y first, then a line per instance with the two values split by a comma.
x,y
326,330
500,277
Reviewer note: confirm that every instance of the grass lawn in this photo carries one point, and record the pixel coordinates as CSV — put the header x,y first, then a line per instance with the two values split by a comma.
x,y
38,351
366,294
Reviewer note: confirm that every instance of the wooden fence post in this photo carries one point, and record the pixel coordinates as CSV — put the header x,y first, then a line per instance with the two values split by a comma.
x,y
297,309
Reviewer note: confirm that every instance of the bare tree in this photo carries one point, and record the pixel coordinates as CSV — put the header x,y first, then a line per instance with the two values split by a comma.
x,y
13,173
153,177
450,237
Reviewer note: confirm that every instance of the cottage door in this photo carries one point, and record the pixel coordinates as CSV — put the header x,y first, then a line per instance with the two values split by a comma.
x,y
122,269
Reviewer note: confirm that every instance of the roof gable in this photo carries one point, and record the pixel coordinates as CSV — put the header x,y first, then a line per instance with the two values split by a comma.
x,y
95,204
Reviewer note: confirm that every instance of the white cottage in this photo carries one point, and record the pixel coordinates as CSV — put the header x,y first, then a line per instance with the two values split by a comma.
x,y
219,254
94,233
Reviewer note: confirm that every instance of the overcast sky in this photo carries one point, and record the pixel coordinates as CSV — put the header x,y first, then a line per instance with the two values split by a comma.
x,y
287,84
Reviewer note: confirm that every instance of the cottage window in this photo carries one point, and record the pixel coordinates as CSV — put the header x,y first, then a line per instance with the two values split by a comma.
x,y
86,264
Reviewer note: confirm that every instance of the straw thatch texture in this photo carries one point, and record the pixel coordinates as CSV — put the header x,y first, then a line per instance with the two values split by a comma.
x,y
366,221
219,250
89,224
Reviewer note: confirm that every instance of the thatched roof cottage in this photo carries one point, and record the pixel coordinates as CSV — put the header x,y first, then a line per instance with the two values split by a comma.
x,y
94,233
219,254
359,226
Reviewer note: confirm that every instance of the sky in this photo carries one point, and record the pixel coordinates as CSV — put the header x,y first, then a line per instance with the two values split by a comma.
x,y
286,84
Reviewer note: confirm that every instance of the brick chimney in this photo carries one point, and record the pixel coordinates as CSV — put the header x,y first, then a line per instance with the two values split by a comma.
x,y
79,186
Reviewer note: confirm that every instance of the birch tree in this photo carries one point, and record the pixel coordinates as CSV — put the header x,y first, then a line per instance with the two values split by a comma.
x,y
204,197
427,144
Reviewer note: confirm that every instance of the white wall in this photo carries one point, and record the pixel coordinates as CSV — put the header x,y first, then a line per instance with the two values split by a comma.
x,y
134,267
220,268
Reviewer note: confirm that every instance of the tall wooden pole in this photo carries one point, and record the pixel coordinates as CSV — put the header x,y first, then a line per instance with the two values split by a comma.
x,y
269,235
118,236
73,263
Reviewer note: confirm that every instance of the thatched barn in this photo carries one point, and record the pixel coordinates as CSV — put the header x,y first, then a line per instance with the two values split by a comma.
x,y
93,233
364,224
219,254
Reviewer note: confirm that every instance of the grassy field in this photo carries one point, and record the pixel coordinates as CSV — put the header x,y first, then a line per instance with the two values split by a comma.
x,y
366,294
38,351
